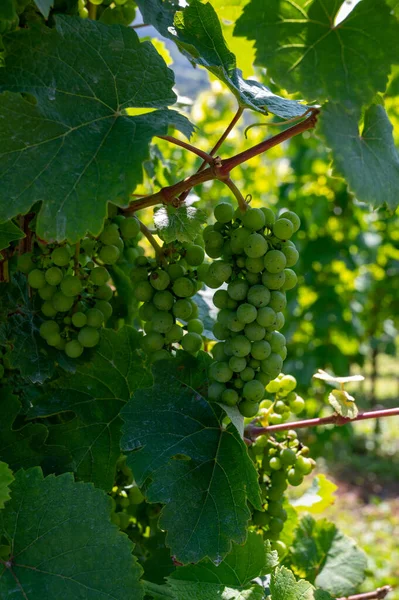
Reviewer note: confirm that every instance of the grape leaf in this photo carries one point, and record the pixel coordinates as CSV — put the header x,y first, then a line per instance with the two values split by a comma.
x,y
182,224
9,232
207,311
343,404
79,121
305,52
318,497
96,393
327,557
197,32
63,544
199,470
284,586
6,477
368,159
44,6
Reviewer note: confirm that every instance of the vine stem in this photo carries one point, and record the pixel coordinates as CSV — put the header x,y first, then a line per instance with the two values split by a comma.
x,y
377,594
220,169
240,198
253,431
76,258
158,250
92,10
207,158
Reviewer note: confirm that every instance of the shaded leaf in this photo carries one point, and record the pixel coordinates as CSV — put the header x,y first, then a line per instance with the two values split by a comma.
x,y
182,224
318,497
44,6
9,232
63,543
74,121
200,471
6,478
368,159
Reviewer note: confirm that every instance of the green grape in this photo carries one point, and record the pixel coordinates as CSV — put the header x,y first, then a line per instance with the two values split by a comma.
x,y
294,477
104,292
215,391
211,282
253,391
258,295
183,287
162,321
159,355
272,365
280,407
291,254
224,212
230,397
218,351
207,232
287,456
25,263
276,510
71,286
238,384
248,409
79,319
182,309
105,308
61,303
163,300
293,217
254,332
275,261
88,337
252,278
275,418
276,525
47,292
94,317
110,235
109,254
261,350
238,239
247,374
214,244
220,270
273,281
100,276
36,279
53,276
254,265
175,271
273,387
240,346
253,219
136,274
220,332
152,342
143,291
277,341
159,279
220,299
234,324
264,379
260,518
191,342
303,465
280,547
275,463
256,246
49,328
278,301
237,364
174,334
280,321
53,339
283,228
290,279
194,255
269,216
297,405
195,326
129,228
266,317
60,257
246,313
288,382
238,289
221,372
48,309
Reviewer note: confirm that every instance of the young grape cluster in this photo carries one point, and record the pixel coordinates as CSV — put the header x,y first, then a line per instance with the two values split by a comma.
x,y
282,460
125,496
168,310
110,12
72,284
255,255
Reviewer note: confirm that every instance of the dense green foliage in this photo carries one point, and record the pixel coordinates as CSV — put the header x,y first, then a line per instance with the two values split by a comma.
x,y
144,327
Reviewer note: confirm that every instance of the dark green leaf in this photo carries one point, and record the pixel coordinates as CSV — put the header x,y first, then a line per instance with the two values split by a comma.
x,y
198,33
63,543
368,159
95,393
90,124
182,224
9,232
305,52
6,478
190,463
327,557
283,586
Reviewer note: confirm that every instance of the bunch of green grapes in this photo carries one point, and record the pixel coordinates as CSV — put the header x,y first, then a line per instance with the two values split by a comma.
x,y
110,12
72,284
255,255
169,313
125,496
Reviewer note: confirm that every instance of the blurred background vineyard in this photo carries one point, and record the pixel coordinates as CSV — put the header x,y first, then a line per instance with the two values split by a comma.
x,y
343,316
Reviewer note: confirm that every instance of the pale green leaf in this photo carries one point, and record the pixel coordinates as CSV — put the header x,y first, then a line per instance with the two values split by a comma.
x,y
63,544
6,478
283,586
343,404
199,470
44,6
9,232
368,159
318,497
182,224
72,121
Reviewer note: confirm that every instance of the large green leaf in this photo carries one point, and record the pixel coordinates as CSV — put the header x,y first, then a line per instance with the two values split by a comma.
x,y
63,544
318,497
368,159
182,224
305,52
198,33
327,557
9,232
283,586
76,138
189,462
96,392
6,478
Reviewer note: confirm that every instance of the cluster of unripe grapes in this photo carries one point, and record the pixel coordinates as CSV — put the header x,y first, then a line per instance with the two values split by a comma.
x,y
282,460
125,496
72,284
168,310
255,255
110,12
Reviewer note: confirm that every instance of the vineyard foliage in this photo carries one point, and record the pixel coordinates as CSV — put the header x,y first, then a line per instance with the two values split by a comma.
x,y
169,281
